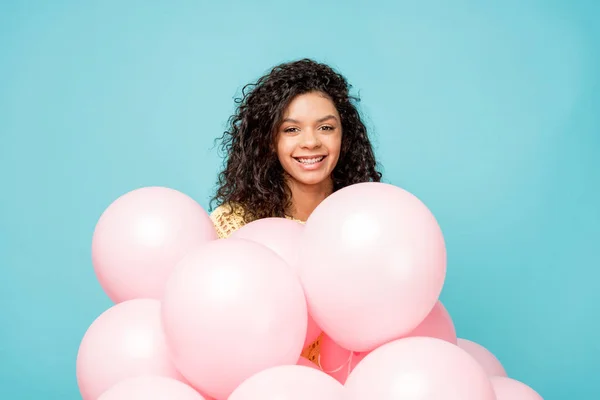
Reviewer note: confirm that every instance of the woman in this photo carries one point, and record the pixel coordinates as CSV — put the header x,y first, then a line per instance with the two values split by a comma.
x,y
296,137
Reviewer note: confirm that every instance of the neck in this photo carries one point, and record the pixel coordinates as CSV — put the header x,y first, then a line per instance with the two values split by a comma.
x,y
305,198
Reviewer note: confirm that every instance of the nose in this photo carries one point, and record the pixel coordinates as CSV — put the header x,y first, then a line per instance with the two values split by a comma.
x,y
310,139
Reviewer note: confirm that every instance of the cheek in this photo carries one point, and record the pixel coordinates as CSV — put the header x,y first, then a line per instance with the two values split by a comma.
x,y
284,148
335,145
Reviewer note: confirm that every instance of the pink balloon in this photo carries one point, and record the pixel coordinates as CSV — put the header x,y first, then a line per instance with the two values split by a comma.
x,y
282,236
437,324
312,332
289,382
372,263
419,368
305,362
486,359
124,341
510,389
231,309
339,362
151,388
279,234
141,236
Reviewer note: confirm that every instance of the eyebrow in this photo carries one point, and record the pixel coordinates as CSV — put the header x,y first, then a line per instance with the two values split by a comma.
x,y
325,118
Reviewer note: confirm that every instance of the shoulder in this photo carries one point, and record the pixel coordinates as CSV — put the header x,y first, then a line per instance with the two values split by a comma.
x,y
227,218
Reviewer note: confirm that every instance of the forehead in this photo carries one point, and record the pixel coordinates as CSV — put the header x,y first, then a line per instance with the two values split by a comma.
x,y
312,105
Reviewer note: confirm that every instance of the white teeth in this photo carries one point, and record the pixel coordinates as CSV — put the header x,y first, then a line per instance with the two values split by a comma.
x,y
310,160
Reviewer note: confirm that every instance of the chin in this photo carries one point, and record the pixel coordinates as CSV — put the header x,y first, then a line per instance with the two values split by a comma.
x,y
310,181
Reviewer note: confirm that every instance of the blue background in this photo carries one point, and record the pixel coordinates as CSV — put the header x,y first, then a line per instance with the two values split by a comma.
x,y
489,113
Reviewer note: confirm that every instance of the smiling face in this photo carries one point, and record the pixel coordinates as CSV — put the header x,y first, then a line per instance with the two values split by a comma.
x,y
309,140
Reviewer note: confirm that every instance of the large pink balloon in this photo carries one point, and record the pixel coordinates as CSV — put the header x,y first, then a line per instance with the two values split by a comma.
x,y
511,389
373,263
151,388
289,382
141,236
231,309
419,368
339,362
124,341
488,361
282,236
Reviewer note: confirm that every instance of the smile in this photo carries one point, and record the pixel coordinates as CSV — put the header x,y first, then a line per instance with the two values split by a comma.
x,y
309,160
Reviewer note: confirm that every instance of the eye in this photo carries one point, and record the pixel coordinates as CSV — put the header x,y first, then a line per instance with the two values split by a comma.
x,y
290,130
327,128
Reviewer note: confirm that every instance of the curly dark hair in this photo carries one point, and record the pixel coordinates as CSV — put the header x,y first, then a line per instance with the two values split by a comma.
x,y
252,176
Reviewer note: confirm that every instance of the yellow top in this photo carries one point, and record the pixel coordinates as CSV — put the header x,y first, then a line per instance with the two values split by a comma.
x,y
225,224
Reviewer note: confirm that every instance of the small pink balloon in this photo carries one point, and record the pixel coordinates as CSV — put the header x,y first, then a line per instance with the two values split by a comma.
x,y
419,368
140,238
123,342
278,234
339,362
336,361
289,382
231,309
151,388
437,324
372,261
511,389
282,236
305,362
488,361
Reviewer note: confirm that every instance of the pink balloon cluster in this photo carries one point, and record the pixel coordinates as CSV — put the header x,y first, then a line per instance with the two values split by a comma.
x,y
197,318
